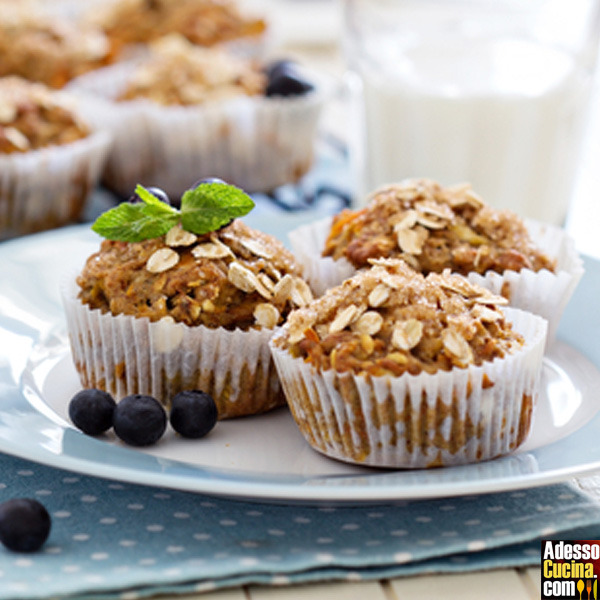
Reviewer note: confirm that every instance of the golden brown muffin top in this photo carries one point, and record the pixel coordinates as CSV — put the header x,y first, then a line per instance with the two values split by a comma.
x,y
236,277
48,49
33,116
179,73
390,320
202,22
434,228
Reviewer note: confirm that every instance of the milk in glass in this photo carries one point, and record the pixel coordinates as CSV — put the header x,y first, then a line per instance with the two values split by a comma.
x,y
505,115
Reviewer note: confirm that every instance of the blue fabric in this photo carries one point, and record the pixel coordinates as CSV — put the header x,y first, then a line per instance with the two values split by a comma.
x,y
110,537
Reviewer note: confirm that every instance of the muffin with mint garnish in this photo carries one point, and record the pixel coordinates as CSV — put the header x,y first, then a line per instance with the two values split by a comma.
x,y
183,298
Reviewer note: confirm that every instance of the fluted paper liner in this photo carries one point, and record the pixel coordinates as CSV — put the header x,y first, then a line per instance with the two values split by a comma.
x,y
256,143
47,188
419,421
541,292
129,355
321,272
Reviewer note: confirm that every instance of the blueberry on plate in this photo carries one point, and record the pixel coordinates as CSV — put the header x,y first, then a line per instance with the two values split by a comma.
x,y
24,524
139,420
155,191
193,413
284,79
92,411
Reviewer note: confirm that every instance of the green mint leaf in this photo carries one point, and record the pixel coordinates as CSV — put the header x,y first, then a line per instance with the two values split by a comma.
x,y
209,206
129,222
151,200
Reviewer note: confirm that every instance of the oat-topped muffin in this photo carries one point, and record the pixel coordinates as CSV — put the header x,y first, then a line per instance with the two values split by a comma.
x,y
159,311
48,49
181,112
434,228
182,74
396,369
235,278
50,159
202,22
33,117
391,320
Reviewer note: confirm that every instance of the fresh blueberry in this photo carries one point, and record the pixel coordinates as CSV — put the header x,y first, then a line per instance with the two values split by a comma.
x,y
139,420
24,524
92,411
284,79
193,413
155,191
274,67
206,180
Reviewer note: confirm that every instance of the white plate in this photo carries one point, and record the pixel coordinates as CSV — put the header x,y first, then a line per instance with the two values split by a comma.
x,y
262,457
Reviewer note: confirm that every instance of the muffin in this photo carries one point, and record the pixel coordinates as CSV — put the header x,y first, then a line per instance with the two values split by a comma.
x,y
48,49
50,160
434,228
185,311
396,369
202,22
181,75
186,112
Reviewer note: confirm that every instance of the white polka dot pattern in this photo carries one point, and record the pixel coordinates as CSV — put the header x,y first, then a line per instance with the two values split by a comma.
x,y
114,537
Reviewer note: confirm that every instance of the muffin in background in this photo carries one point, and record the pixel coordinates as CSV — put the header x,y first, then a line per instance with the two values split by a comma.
x,y
181,75
394,369
433,228
202,22
183,311
50,160
48,49
185,112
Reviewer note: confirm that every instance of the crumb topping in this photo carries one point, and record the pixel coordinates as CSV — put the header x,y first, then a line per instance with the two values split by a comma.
x,y
390,320
33,116
46,49
202,22
434,228
236,277
180,73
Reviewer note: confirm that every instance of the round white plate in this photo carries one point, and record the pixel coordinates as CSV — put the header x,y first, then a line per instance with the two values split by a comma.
x,y
263,457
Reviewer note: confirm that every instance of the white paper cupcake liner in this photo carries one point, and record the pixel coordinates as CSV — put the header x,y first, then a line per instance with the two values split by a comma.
x,y
47,188
419,421
321,272
541,292
128,355
256,143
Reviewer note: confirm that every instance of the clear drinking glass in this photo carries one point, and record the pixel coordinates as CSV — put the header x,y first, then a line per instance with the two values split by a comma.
x,y
490,92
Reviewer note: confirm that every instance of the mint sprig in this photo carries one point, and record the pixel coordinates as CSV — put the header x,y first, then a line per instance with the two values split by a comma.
x,y
204,208
212,205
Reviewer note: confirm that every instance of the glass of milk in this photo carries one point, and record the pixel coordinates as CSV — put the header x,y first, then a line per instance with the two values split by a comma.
x,y
490,92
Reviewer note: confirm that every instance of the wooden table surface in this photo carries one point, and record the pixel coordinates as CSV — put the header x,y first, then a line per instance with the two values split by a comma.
x,y
502,584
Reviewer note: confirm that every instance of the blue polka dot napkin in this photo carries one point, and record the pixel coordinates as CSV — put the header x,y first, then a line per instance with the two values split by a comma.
x,y
115,540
